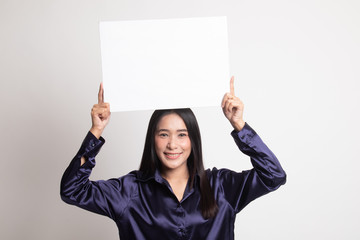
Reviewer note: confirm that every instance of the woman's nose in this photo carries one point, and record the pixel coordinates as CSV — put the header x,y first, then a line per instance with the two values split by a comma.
x,y
171,144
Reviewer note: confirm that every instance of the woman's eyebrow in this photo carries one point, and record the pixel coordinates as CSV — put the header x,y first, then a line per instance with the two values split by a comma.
x,y
182,130
167,130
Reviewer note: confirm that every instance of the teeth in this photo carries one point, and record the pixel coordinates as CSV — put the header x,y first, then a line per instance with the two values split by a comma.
x,y
172,155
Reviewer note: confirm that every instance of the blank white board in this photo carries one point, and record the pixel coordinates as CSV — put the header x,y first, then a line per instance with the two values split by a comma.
x,y
167,63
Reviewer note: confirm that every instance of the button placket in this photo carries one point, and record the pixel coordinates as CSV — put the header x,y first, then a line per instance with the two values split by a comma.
x,y
181,224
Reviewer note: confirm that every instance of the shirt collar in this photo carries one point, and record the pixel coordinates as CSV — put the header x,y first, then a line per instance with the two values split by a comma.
x,y
142,177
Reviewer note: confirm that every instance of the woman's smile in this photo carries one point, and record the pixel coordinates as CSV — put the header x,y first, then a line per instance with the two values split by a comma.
x,y
172,155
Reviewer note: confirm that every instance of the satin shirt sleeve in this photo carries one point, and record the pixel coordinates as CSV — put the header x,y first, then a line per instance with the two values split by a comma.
x,y
96,196
267,175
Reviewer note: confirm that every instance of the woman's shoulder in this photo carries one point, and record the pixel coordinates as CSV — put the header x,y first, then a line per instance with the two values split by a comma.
x,y
222,174
131,176
136,176
215,172
126,179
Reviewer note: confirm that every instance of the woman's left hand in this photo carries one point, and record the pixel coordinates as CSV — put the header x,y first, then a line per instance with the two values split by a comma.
x,y
233,108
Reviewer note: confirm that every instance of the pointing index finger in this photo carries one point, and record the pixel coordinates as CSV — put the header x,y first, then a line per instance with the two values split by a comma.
x,y
232,91
101,94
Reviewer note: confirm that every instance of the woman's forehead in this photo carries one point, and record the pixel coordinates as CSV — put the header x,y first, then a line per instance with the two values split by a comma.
x,y
171,121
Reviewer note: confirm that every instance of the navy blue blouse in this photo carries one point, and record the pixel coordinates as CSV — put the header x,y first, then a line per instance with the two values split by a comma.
x,y
145,207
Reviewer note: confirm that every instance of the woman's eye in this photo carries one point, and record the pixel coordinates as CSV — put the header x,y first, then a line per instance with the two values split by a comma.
x,y
182,135
163,135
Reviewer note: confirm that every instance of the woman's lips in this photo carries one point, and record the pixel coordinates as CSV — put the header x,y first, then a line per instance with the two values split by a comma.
x,y
172,155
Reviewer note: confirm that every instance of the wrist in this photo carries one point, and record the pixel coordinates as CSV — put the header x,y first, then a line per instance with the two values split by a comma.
x,y
96,132
238,126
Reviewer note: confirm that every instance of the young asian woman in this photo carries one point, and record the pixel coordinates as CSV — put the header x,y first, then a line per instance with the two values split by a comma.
x,y
172,196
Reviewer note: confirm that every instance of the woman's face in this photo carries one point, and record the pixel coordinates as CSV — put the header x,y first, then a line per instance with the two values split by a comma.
x,y
172,143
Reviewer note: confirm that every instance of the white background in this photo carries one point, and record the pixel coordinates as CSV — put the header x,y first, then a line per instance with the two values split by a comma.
x,y
296,65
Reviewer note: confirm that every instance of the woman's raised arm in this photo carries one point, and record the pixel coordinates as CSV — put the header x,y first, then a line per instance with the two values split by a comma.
x,y
100,116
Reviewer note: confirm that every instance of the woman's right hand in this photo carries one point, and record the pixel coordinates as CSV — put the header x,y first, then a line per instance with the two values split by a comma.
x,y
100,114
233,108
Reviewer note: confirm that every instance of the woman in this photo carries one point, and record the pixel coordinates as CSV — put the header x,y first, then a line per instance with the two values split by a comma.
x,y
171,196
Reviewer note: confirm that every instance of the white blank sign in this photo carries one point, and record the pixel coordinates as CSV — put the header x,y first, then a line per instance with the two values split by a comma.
x,y
159,64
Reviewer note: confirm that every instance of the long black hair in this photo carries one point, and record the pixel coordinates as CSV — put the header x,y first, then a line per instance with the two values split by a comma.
x,y
150,161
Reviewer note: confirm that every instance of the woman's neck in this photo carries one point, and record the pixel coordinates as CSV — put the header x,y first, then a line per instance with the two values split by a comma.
x,y
178,180
175,175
